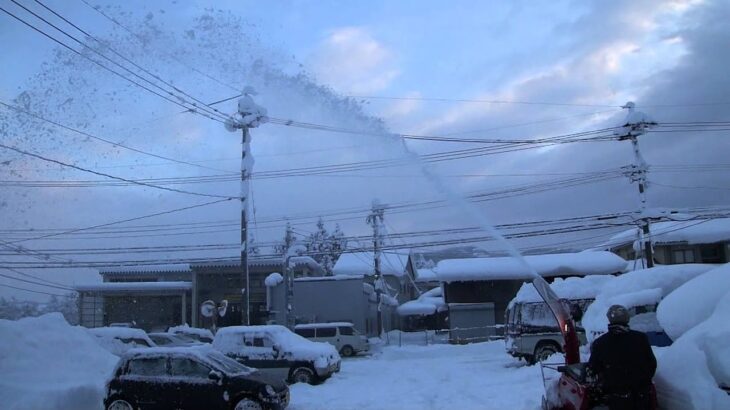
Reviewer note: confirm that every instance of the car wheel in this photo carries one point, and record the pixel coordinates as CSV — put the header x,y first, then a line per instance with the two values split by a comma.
x,y
248,404
303,375
542,352
347,351
120,404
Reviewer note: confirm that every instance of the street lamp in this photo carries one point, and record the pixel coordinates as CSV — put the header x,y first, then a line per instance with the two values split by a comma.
x,y
249,115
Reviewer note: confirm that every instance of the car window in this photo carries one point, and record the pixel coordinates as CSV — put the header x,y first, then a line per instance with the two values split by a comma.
x,y
160,340
147,367
308,332
327,332
346,331
188,368
135,341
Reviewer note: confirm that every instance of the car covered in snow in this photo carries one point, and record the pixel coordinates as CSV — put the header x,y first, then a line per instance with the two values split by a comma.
x,y
279,352
342,335
164,339
118,340
190,378
197,334
531,331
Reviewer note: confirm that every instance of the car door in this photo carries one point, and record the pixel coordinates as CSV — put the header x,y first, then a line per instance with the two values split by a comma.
x,y
192,387
261,355
145,383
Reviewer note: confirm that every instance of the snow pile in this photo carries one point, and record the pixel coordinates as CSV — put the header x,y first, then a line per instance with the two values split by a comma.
x,y
559,264
428,303
47,364
691,370
638,288
230,340
273,279
570,288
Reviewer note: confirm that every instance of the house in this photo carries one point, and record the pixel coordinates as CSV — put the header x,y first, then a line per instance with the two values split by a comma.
x,y
478,290
428,312
396,267
160,296
674,242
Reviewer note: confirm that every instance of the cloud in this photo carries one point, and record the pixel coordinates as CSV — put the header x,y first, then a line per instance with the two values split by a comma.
x,y
351,60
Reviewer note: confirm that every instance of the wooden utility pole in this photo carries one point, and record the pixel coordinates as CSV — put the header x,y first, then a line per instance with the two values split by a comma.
x,y
375,219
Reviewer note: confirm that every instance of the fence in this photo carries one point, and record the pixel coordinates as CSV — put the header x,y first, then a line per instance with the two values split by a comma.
x,y
440,336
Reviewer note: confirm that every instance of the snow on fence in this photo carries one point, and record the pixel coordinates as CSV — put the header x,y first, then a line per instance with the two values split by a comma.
x,y
439,336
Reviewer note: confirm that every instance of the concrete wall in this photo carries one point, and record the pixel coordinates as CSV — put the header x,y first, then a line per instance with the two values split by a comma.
x,y
330,300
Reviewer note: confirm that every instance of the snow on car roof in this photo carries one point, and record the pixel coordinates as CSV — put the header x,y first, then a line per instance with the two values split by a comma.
x,y
319,325
190,330
123,332
362,263
228,339
500,268
206,354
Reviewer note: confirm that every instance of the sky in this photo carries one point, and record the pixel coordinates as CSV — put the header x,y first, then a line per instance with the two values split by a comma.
x,y
478,70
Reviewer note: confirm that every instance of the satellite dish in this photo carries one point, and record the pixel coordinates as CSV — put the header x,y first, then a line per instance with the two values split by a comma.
x,y
223,308
207,308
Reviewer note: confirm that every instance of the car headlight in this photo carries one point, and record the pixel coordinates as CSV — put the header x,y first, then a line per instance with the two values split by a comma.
x,y
270,390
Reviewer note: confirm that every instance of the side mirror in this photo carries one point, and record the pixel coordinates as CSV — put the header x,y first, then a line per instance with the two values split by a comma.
x,y
215,376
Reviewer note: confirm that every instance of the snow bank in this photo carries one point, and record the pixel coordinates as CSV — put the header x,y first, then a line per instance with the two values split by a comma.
x,y
691,370
694,302
637,288
273,279
577,264
47,364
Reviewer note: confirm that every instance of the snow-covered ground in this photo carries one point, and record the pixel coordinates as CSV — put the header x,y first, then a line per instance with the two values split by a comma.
x,y
476,376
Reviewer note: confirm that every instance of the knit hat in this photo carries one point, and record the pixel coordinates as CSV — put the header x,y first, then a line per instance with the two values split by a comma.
x,y
618,315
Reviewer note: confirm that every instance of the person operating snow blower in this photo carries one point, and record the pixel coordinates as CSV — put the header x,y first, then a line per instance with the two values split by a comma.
x,y
623,364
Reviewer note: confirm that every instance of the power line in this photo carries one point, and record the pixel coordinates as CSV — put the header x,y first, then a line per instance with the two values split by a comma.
x,y
481,101
32,291
30,154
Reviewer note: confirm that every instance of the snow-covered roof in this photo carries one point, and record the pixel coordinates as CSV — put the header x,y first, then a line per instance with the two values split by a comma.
x,y
135,287
328,278
236,262
319,325
150,269
362,263
426,275
669,232
586,287
428,303
558,264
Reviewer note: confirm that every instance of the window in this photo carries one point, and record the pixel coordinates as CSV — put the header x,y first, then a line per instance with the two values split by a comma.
x,y
305,332
148,367
683,256
135,341
346,331
711,254
327,332
188,368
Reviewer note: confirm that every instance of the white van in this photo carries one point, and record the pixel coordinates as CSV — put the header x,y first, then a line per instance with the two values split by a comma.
x,y
342,335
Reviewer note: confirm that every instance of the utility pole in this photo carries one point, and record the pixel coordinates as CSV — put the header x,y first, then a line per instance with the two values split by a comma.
x,y
636,125
375,219
249,115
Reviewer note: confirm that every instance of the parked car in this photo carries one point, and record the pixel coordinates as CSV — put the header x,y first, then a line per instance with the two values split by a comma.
x,y
531,332
172,340
118,340
342,335
279,352
190,378
195,333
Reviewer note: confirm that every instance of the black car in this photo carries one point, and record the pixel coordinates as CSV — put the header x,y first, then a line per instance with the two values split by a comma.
x,y
190,378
